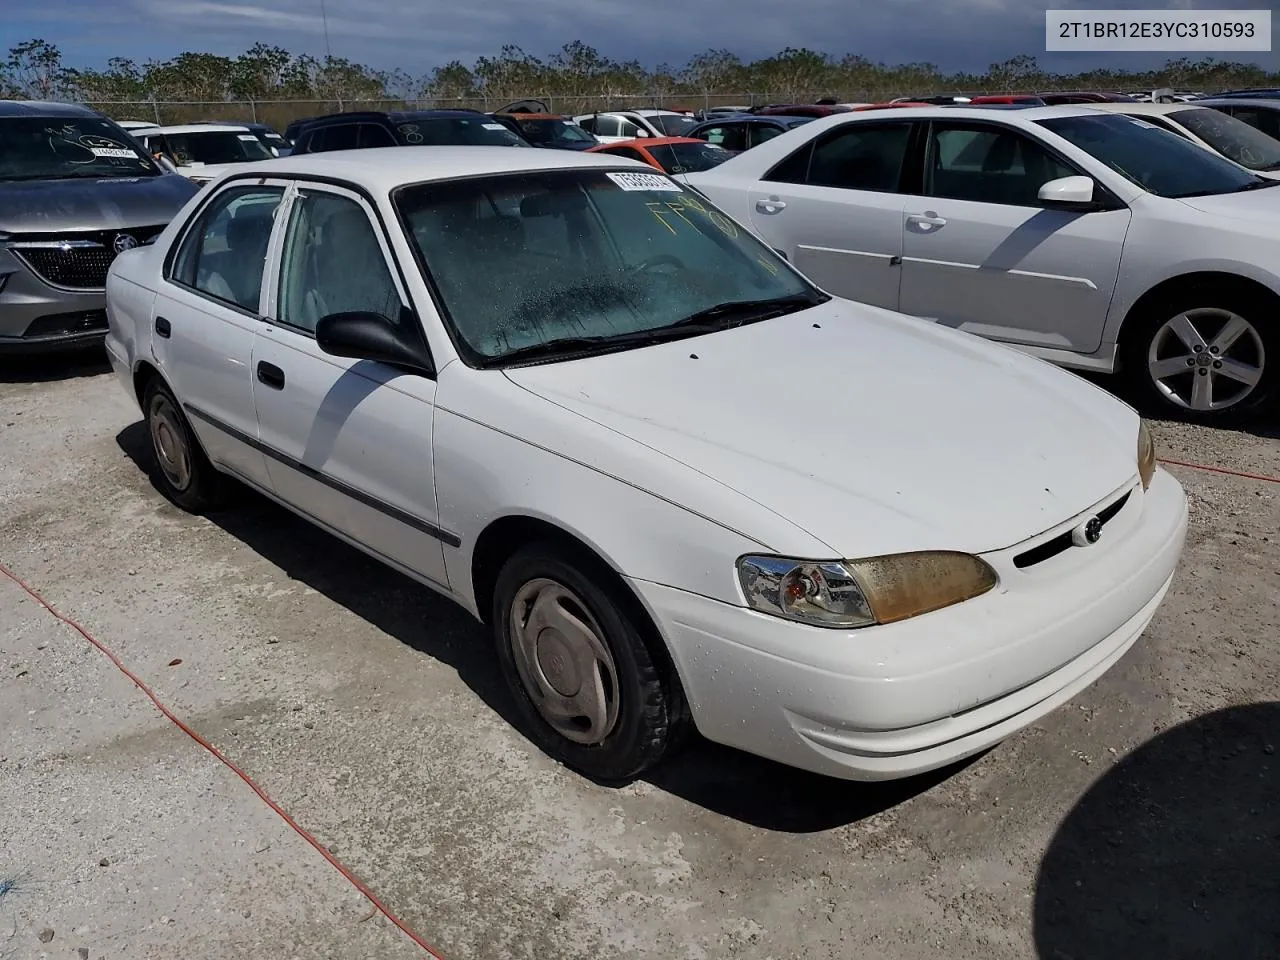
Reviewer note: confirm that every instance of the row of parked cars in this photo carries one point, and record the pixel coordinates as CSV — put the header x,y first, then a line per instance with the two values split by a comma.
x,y
1102,234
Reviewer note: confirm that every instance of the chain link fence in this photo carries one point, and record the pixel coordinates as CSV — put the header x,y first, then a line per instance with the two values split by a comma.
x,y
279,113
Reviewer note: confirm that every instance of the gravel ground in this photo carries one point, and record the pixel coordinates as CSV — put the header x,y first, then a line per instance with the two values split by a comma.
x,y
1138,821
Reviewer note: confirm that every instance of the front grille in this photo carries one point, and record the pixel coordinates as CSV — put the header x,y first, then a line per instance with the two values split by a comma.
x,y
1062,542
77,261
57,324
80,268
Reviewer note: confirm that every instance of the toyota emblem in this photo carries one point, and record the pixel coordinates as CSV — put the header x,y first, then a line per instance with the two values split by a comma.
x,y
1087,533
123,242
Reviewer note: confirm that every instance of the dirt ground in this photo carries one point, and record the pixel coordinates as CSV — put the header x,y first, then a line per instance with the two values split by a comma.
x,y
1140,821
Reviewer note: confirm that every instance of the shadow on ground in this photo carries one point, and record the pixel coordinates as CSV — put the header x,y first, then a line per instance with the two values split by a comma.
x,y
37,368
1174,853
721,779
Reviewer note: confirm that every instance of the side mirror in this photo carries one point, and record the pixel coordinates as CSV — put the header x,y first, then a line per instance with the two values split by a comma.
x,y
165,163
371,336
641,132
1067,192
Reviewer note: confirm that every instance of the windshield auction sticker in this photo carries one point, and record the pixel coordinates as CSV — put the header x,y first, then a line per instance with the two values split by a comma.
x,y
644,181
1203,31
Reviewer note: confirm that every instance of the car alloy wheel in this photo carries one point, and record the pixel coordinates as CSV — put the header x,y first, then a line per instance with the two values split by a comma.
x,y
1206,359
168,438
563,661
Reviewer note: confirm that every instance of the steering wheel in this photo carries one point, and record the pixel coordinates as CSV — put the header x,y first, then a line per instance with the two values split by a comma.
x,y
661,260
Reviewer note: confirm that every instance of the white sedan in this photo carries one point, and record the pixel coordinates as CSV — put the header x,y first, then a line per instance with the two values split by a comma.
x,y
679,483
1093,240
202,151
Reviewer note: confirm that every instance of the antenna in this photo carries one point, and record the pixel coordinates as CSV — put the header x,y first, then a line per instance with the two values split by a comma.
x,y
324,19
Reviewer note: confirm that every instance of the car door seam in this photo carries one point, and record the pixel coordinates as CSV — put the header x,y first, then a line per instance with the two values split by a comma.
x,y
396,513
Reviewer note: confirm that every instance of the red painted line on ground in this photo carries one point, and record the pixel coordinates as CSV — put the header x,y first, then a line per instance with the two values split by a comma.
x,y
225,761
1230,473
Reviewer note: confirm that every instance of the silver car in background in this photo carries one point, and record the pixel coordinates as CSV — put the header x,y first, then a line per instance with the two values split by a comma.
x,y
75,190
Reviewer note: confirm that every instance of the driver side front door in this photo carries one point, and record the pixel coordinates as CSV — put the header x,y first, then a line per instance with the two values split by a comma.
x,y
348,442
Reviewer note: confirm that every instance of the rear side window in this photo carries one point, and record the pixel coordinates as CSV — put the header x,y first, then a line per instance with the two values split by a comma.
x,y
340,136
1268,121
857,156
730,136
224,254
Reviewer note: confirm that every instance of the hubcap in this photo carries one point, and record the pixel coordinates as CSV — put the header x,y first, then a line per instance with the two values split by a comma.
x,y
1206,359
563,661
167,439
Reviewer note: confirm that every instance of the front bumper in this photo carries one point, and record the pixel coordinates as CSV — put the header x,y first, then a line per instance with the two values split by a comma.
x,y
38,318
898,700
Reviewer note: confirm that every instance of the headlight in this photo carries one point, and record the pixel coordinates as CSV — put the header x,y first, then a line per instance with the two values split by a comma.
x,y
1146,455
859,593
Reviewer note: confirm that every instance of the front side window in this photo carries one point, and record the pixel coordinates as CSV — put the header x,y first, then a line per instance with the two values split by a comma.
x,y
606,126
547,132
988,165
628,129
1268,121
375,135
65,148
332,263
760,133
1152,159
216,147
554,262
224,253
1233,138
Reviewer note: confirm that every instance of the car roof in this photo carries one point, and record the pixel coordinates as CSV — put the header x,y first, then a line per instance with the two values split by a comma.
x,y
395,116
1236,102
1153,109
44,108
204,128
956,111
381,169
521,115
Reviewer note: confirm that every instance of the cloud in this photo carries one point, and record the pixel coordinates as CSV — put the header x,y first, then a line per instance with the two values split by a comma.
x,y
417,35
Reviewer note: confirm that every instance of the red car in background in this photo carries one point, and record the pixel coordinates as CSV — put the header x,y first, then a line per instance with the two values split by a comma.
x,y
674,155
1014,99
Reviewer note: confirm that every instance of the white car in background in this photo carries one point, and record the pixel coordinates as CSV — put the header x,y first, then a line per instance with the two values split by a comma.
x,y
1086,238
614,126
202,151
1212,129
678,482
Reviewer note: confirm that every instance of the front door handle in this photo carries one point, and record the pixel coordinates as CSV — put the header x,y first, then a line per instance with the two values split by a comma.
x,y
271,375
929,219
162,328
771,205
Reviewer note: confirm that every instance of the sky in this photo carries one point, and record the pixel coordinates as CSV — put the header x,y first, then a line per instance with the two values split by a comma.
x,y
417,35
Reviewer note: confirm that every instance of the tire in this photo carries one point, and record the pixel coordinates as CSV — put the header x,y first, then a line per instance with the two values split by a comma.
x,y
183,472
1158,343
649,716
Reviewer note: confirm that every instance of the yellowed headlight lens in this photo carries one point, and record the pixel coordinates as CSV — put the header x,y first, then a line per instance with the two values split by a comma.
x,y
908,584
1146,455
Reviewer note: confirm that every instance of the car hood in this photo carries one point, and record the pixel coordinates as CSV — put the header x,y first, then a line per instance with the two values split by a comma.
x,y
1259,206
872,432
48,206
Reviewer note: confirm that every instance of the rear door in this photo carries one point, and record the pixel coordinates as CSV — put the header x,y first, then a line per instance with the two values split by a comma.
x,y
981,253
206,317
834,208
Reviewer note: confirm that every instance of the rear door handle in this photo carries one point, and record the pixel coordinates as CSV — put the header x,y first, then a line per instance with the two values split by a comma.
x,y
927,220
162,328
771,205
271,375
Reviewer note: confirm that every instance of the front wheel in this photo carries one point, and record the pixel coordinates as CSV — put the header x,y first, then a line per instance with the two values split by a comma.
x,y
590,690
1211,358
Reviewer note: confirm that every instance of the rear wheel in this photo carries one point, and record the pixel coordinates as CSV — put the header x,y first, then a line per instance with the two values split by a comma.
x,y
1210,355
185,475
590,690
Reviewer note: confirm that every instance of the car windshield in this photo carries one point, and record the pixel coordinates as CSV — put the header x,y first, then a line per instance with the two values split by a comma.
x,y
477,131
51,148
673,124
688,157
554,131
1234,139
1156,160
561,263
217,146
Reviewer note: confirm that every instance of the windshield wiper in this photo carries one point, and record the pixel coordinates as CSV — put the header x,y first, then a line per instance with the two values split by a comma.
x,y
1258,185
732,313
